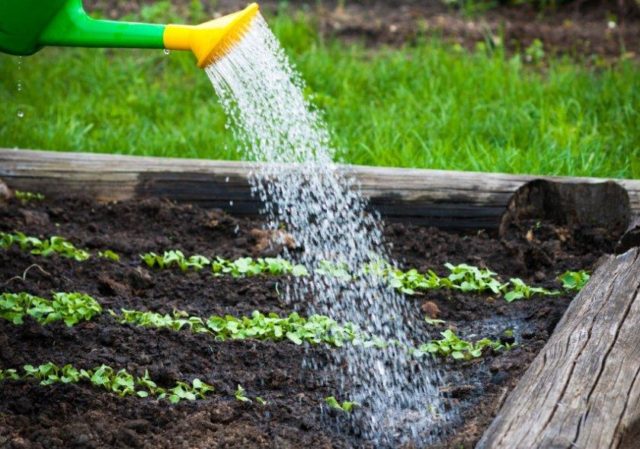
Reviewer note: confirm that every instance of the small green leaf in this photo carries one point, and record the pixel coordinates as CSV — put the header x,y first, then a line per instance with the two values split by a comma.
x,y
240,394
333,402
433,321
294,338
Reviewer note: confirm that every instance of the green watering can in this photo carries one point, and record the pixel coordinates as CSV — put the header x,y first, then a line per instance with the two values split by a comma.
x,y
28,25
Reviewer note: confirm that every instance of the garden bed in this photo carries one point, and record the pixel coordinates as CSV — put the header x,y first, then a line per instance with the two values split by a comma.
x,y
295,413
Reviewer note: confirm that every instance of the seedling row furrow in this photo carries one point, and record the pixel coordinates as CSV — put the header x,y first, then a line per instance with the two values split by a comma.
x,y
124,384
462,277
71,308
120,382
316,329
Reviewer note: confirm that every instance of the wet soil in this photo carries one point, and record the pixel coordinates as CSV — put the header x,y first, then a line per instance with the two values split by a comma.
x,y
579,28
79,416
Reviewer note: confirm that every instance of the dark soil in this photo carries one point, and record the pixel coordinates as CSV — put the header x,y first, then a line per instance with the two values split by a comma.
x,y
79,416
578,27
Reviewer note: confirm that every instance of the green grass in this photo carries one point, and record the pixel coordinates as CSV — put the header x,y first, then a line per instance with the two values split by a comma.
x,y
428,105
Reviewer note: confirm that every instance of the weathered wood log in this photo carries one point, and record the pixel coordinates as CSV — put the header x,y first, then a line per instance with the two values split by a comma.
x,y
446,199
604,206
583,389
631,238
5,193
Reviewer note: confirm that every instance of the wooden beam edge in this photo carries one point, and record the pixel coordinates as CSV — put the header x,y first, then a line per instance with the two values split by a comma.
x,y
421,194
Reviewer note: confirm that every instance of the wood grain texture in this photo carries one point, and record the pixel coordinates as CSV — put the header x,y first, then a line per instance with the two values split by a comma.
x,y
446,199
602,207
583,390
631,238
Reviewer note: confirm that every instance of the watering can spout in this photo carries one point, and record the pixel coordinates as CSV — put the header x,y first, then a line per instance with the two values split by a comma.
x,y
210,40
28,25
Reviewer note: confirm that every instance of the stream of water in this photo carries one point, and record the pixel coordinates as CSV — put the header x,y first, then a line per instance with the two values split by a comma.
x,y
321,206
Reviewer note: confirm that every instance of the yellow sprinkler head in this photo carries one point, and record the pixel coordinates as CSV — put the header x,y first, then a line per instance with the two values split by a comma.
x,y
211,40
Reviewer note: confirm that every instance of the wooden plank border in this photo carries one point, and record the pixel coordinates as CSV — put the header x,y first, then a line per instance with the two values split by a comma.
x,y
446,199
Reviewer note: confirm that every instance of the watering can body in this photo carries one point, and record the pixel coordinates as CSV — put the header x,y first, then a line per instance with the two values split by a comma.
x,y
28,25
22,22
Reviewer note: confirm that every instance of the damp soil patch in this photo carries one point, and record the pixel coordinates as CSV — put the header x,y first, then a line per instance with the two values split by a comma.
x,y
295,414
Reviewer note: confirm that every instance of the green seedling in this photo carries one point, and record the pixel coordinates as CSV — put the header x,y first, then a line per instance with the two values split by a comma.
x,y
468,278
177,258
338,270
279,266
409,281
574,280
13,307
109,255
314,329
68,307
183,391
72,308
27,197
179,392
197,262
58,245
120,382
246,266
173,258
45,248
151,259
177,321
240,394
9,374
520,290
200,388
146,384
433,321
463,277
346,406
453,346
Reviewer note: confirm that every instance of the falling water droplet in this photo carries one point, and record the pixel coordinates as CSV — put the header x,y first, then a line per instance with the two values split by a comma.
x,y
19,86
20,113
226,179
167,51
230,203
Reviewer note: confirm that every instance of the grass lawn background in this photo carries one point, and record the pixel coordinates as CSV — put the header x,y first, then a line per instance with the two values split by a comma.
x,y
428,105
